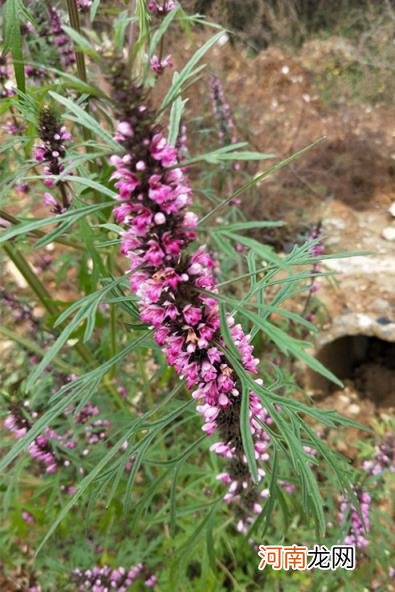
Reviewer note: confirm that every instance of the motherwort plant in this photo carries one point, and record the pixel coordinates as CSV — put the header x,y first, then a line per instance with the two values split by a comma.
x,y
175,280
51,153
167,308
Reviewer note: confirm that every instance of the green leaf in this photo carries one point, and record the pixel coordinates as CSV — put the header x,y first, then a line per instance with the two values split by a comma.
x,y
246,226
245,428
188,547
226,154
72,215
137,461
180,78
176,112
245,155
81,43
99,187
295,347
267,253
120,25
93,10
179,463
259,177
13,38
86,482
86,311
83,118
161,30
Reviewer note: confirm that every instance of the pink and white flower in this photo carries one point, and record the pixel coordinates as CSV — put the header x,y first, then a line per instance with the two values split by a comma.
x,y
170,280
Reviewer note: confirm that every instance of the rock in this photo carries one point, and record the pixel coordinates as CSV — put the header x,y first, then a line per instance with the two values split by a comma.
x,y
391,209
381,306
336,222
389,233
356,324
354,409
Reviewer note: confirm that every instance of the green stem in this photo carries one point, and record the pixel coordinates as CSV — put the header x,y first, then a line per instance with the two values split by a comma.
x,y
131,33
43,295
113,329
38,288
38,233
63,192
41,292
35,349
75,23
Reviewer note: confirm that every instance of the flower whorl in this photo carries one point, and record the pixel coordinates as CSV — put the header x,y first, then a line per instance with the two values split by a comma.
x,y
173,286
51,152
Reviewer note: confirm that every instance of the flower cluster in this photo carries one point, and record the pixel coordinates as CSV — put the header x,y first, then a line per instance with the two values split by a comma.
x,y
27,517
60,39
27,28
158,65
182,143
84,5
223,117
48,448
384,458
96,430
40,449
104,579
349,514
13,127
20,311
221,111
177,290
161,9
51,152
35,72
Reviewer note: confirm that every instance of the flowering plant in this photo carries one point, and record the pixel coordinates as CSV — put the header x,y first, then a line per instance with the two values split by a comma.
x,y
138,319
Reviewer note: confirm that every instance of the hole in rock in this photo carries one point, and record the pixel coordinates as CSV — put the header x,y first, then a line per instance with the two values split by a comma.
x,y
367,362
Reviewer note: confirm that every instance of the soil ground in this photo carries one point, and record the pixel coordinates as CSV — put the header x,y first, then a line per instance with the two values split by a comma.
x,y
346,182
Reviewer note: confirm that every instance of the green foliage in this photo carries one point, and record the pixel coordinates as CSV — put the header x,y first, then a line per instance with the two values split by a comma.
x,y
147,491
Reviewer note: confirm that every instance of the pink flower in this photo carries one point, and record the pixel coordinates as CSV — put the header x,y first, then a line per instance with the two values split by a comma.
x,y
60,40
124,131
192,314
151,581
154,315
158,65
169,282
51,152
49,199
161,9
161,151
27,517
84,5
